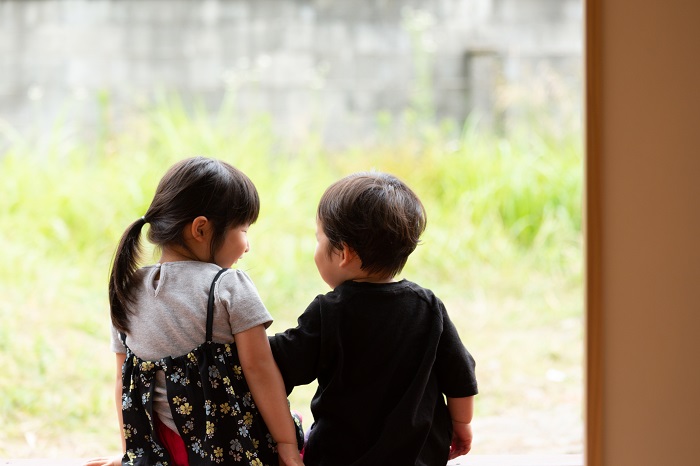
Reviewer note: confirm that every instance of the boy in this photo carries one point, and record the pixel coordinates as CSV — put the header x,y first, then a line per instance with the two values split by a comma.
x,y
384,350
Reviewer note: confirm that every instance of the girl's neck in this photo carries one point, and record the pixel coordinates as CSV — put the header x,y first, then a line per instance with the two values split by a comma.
x,y
175,254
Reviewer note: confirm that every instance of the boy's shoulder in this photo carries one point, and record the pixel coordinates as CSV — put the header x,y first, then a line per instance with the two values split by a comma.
x,y
401,290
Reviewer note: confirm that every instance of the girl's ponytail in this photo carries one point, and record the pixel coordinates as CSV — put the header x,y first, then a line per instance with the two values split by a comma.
x,y
126,261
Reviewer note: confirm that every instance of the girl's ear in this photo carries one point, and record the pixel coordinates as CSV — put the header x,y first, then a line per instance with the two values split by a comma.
x,y
199,228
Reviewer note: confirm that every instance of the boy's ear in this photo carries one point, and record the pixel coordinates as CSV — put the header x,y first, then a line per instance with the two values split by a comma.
x,y
199,228
347,256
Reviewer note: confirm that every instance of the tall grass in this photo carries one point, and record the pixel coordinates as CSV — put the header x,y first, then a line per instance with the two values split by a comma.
x,y
502,248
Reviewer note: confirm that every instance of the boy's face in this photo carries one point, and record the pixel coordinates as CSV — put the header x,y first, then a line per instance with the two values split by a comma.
x,y
328,265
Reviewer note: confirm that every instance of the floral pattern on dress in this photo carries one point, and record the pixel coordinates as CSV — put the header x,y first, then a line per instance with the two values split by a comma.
x,y
211,405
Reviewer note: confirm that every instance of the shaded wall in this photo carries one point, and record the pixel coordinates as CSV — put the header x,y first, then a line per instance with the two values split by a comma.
x,y
316,65
644,227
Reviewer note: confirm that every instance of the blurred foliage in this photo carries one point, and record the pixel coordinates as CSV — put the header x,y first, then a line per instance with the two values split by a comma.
x,y
503,249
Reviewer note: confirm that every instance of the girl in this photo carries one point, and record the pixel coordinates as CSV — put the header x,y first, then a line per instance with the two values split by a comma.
x,y
196,380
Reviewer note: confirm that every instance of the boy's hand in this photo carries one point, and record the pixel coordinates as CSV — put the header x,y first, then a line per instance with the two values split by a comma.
x,y
110,461
461,439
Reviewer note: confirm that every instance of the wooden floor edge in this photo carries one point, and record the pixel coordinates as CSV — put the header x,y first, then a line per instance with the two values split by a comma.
x,y
468,460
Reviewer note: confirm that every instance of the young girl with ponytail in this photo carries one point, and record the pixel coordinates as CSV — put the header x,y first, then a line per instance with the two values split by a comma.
x,y
196,381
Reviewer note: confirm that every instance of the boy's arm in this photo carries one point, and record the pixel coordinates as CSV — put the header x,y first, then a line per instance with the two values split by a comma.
x,y
454,365
461,412
297,350
455,368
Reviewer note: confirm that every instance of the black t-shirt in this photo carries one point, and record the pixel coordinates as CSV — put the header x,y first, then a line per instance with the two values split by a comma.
x,y
384,356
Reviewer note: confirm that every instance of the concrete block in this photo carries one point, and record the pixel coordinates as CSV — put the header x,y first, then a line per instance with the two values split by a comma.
x,y
352,49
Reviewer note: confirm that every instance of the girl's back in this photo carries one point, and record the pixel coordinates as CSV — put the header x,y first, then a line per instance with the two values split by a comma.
x,y
170,314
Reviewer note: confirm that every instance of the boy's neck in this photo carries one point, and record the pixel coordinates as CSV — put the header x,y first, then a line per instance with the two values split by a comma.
x,y
371,279
351,269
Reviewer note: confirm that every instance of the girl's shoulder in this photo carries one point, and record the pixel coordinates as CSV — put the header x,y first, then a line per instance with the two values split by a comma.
x,y
193,276
180,277
197,270
235,277
235,281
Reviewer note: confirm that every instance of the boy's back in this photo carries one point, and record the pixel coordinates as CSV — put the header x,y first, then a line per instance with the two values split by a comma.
x,y
384,355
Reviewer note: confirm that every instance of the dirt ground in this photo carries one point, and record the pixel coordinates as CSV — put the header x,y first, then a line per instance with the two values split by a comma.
x,y
559,431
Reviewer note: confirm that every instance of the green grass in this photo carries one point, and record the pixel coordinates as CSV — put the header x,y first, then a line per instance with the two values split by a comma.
x,y
503,249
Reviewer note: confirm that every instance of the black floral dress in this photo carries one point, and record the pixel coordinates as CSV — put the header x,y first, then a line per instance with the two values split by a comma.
x,y
211,404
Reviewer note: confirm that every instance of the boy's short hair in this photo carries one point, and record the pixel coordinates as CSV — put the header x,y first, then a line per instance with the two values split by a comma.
x,y
377,216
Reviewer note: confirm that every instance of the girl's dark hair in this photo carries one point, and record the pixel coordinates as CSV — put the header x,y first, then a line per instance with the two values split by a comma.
x,y
377,216
190,188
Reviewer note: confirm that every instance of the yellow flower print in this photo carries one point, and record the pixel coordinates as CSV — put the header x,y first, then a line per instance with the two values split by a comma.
x,y
177,400
248,419
255,443
147,365
185,409
237,370
218,452
256,462
210,428
225,408
192,357
249,454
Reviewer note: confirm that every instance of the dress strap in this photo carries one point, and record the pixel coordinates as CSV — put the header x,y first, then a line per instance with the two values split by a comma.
x,y
210,305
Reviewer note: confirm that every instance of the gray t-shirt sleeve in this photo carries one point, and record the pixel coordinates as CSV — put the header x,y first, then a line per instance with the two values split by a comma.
x,y
116,343
239,296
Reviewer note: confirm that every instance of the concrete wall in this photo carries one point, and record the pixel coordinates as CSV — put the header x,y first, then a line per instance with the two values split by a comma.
x,y
643,232
315,65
